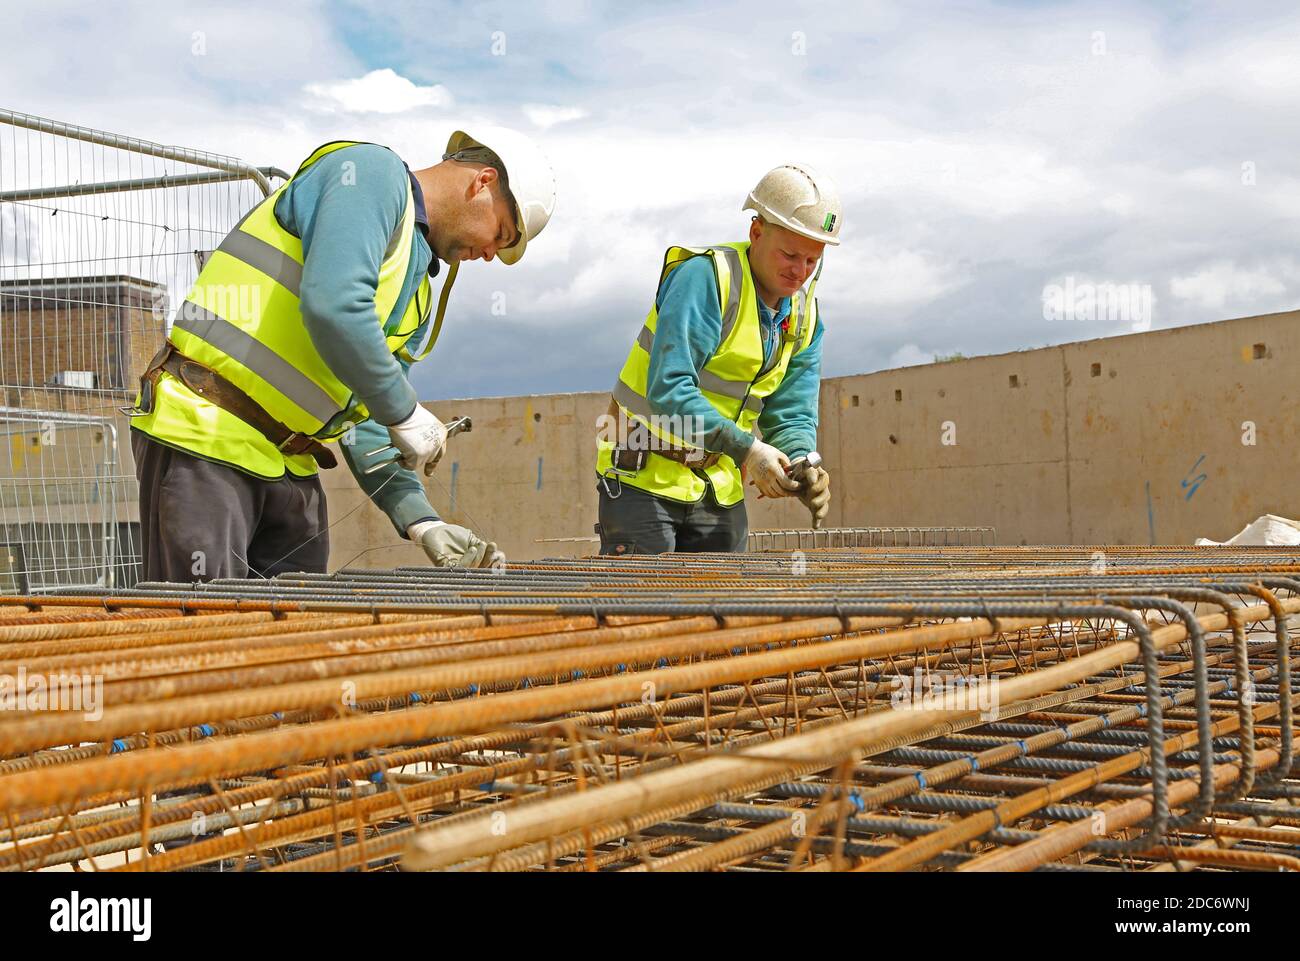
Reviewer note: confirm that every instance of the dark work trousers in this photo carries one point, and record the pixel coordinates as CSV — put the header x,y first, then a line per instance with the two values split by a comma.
x,y
200,520
635,522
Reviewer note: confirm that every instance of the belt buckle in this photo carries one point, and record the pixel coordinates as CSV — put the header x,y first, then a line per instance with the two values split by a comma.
x,y
145,407
296,435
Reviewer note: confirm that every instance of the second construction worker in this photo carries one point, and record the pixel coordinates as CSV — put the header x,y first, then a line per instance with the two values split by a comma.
x,y
301,329
733,342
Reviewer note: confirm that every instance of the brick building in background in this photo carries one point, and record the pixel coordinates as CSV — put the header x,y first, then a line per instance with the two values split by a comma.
x,y
77,344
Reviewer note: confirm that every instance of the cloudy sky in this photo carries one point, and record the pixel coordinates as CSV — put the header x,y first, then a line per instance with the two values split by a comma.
x,y
985,152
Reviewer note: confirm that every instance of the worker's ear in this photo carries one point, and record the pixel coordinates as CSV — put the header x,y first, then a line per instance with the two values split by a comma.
x,y
755,230
484,179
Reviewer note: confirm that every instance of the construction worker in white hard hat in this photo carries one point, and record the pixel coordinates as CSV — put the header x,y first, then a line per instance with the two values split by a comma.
x,y
733,342
300,330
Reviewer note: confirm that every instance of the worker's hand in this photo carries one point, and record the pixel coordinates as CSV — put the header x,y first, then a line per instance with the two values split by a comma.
x,y
816,494
448,545
420,439
765,466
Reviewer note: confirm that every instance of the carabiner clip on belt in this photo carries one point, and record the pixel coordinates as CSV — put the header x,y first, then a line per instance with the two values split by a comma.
x,y
617,470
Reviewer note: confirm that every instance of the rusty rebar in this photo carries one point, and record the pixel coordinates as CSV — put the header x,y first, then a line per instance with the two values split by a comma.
x,y
824,708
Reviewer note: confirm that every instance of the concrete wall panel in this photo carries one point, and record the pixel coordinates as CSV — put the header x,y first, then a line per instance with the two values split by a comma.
x,y
1057,445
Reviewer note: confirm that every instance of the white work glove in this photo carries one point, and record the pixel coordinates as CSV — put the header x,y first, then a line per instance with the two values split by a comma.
x,y
764,467
816,494
448,545
420,439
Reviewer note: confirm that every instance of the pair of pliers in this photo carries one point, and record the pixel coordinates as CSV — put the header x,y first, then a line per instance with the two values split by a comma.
x,y
457,426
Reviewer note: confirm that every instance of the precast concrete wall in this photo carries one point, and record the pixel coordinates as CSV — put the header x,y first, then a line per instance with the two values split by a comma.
x,y
1156,437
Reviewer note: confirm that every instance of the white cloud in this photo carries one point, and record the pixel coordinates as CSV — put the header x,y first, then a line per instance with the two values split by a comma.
x,y
876,277
1264,66
1016,155
1222,284
379,91
548,116
910,355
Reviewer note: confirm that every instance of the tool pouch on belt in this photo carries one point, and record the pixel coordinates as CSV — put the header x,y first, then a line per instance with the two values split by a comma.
x,y
214,388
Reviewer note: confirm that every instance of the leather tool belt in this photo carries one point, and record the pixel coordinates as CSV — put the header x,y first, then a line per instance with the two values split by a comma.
x,y
629,461
214,388
693,457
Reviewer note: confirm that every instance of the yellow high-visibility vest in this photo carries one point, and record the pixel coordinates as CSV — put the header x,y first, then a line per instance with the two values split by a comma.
x,y
733,380
243,319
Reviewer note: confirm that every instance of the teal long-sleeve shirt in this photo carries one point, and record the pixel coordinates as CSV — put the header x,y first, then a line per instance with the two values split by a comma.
x,y
345,208
689,331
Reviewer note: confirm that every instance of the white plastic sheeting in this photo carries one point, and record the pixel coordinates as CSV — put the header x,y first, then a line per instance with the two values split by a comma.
x,y
1267,530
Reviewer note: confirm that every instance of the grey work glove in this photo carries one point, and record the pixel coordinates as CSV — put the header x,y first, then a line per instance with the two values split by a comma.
x,y
448,545
420,439
816,494
764,467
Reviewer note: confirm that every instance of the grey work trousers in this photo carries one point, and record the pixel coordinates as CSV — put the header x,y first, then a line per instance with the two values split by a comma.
x,y
635,522
201,520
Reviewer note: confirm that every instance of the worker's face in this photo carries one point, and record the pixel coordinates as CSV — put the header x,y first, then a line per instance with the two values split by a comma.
x,y
780,259
479,227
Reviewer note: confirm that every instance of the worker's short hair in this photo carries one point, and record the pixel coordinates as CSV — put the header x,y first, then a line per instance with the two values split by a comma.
x,y
479,155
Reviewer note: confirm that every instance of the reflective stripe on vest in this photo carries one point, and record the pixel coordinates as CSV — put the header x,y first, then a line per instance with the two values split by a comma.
x,y
255,252
256,356
735,273
243,319
739,389
734,380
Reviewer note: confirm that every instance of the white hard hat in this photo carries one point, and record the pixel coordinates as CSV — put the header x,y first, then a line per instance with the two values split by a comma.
x,y
799,199
527,174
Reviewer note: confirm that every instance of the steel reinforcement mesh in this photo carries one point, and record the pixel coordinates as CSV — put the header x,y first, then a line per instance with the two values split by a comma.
x,y
841,709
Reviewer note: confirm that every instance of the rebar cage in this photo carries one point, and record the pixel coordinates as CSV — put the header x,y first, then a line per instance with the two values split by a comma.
x,y
1088,709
